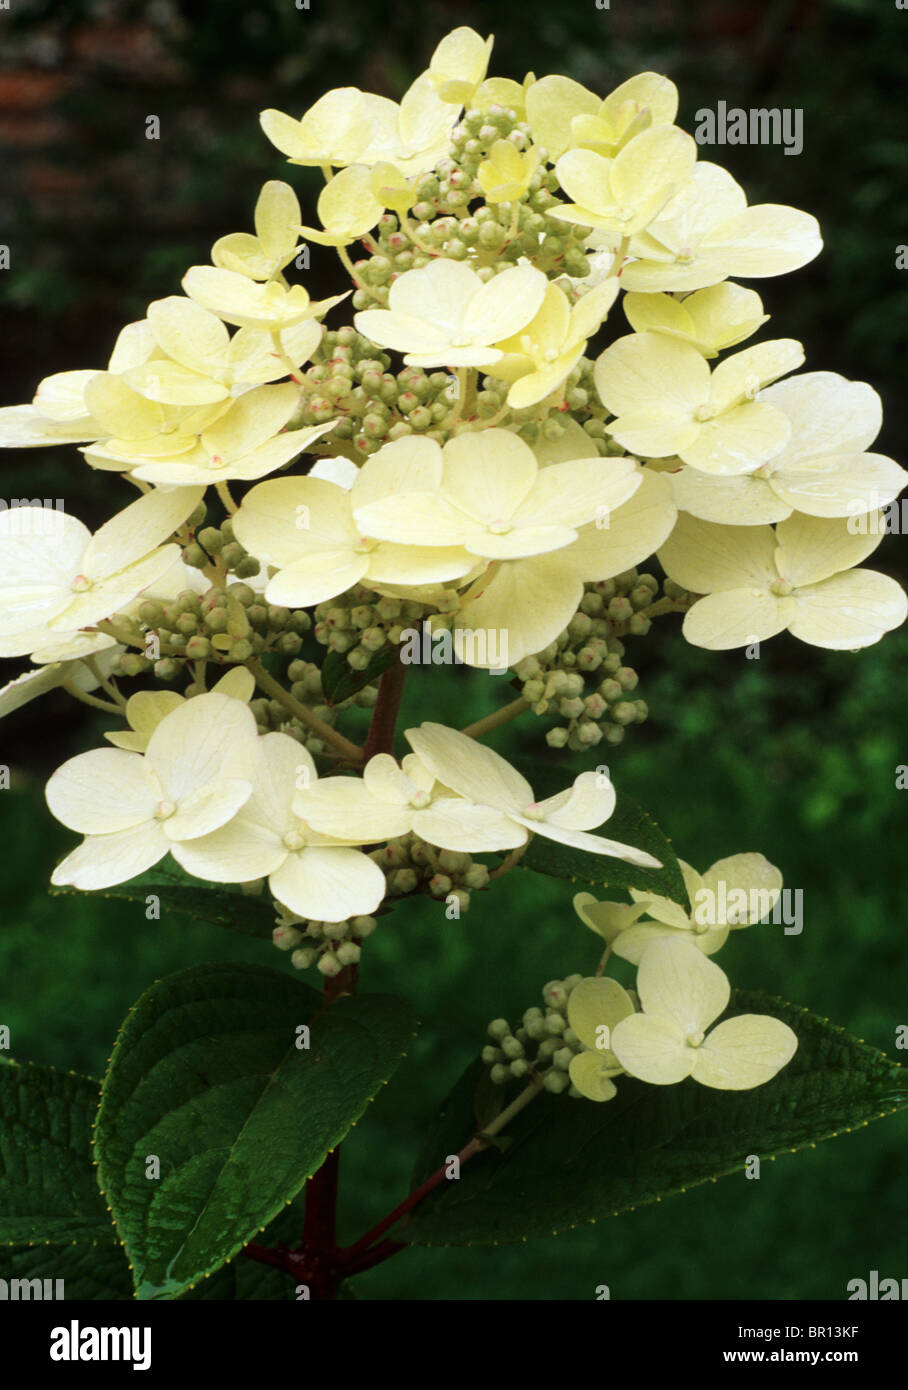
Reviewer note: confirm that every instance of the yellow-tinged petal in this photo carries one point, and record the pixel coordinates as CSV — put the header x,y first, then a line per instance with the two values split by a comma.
x,y
208,737
138,529
551,105
741,499
346,808
622,538
529,601
736,618
741,873
470,768
703,557
848,611
740,376
812,548
738,441
102,791
744,1052
103,860
316,577
643,369
459,64
456,824
588,1073
677,983
654,1048
607,920
328,885
595,1007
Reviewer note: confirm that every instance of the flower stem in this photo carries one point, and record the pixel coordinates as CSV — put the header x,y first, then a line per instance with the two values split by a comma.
x,y
223,492
380,738
105,684
324,731
511,861
496,719
350,1255
86,699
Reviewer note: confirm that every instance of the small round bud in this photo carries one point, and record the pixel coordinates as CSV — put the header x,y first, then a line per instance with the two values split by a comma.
x,y
329,965
286,938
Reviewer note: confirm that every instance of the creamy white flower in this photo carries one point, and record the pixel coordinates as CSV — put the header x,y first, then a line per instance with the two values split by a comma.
x,y
486,493
391,800
534,599
624,195
823,469
58,577
277,215
237,299
682,993
307,529
733,893
539,358
595,1007
668,402
133,808
443,315
482,776
203,363
564,115
707,232
710,320
248,441
145,710
319,877
759,581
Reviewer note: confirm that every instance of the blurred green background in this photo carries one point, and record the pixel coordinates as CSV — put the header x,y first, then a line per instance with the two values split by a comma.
x,y
794,755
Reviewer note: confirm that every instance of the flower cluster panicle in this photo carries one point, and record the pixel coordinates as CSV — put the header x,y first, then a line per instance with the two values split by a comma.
x,y
548,381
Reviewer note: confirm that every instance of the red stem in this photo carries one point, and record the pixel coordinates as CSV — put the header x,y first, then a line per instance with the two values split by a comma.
x,y
319,1224
380,738
350,1252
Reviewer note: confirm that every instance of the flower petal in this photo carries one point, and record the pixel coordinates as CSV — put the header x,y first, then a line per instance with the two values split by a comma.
x,y
329,885
744,1052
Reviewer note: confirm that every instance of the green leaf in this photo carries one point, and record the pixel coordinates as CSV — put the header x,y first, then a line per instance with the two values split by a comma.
x,y
340,681
630,824
179,892
575,1161
89,1272
206,1075
48,1188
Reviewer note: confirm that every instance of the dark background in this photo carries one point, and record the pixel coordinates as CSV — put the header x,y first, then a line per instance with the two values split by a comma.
x,y
794,754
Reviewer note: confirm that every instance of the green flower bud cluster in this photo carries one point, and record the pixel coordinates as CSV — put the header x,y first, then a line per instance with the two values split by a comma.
x,y
222,625
361,623
329,946
412,866
444,220
373,405
305,682
218,545
542,1046
581,677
